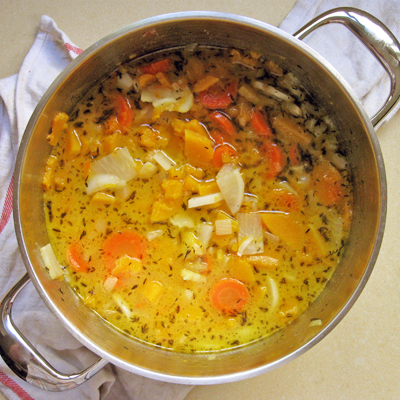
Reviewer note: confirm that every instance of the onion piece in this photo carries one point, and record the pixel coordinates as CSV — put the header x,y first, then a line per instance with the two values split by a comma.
x,y
109,283
231,184
165,162
199,201
244,244
204,233
111,171
274,298
103,182
315,322
192,276
119,163
148,170
271,91
154,234
51,262
182,220
223,226
250,225
125,82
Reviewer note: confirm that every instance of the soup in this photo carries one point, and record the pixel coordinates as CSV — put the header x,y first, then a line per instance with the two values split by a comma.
x,y
196,199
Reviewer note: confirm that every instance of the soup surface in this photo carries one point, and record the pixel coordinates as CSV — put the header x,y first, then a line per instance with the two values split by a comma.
x,y
196,200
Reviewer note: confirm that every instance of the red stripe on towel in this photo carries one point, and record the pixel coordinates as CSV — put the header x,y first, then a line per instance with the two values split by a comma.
x,y
7,381
8,206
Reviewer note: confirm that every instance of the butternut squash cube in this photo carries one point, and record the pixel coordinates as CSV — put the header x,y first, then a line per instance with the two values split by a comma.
x,y
153,291
58,126
198,148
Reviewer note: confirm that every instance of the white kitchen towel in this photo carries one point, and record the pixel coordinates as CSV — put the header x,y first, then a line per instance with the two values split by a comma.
x,y
49,55
344,51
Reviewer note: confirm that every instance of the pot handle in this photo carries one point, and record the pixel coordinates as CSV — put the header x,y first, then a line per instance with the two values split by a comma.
x,y
376,37
23,358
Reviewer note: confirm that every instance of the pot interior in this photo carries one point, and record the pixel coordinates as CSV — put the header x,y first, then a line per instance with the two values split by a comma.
x,y
323,84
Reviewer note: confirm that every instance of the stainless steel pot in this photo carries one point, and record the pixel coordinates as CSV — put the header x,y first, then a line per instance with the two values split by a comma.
x,y
329,90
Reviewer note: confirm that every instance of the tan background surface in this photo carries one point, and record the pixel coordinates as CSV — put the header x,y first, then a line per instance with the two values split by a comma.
x,y
360,358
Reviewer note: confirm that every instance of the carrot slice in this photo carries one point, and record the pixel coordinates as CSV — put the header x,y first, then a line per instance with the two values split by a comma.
x,y
75,258
120,244
260,123
218,96
223,153
125,113
229,296
155,67
275,157
223,122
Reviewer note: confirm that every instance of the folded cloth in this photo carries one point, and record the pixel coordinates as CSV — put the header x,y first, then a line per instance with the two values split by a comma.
x,y
49,55
344,51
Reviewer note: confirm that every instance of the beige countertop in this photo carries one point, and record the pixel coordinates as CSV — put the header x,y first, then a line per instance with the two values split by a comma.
x,y
359,359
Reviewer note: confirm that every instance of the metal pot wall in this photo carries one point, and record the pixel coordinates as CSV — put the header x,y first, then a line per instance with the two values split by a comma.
x,y
325,86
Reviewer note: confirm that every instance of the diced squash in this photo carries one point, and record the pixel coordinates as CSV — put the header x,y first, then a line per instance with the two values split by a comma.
x,y
198,147
153,291
58,126
73,144
146,80
148,137
110,142
173,189
208,187
241,269
163,210
192,184
127,265
198,173
204,83
286,226
49,172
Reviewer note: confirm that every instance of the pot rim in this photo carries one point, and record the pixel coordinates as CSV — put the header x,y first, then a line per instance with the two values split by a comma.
x,y
150,23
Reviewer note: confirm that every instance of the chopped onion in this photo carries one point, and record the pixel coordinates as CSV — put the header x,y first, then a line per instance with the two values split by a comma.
x,y
244,245
231,184
51,262
182,220
192,276
274,292
101,225
223,226
109,283
199,201
148,170
164,160
250,225
315,322
189,294
176,98
271,91
111,171
103,182
124,307
204,233
154,234
123,193
125,82
270,237
119,163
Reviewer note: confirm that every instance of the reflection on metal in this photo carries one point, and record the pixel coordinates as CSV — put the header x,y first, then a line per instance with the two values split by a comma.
x,y
376,37
25,361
